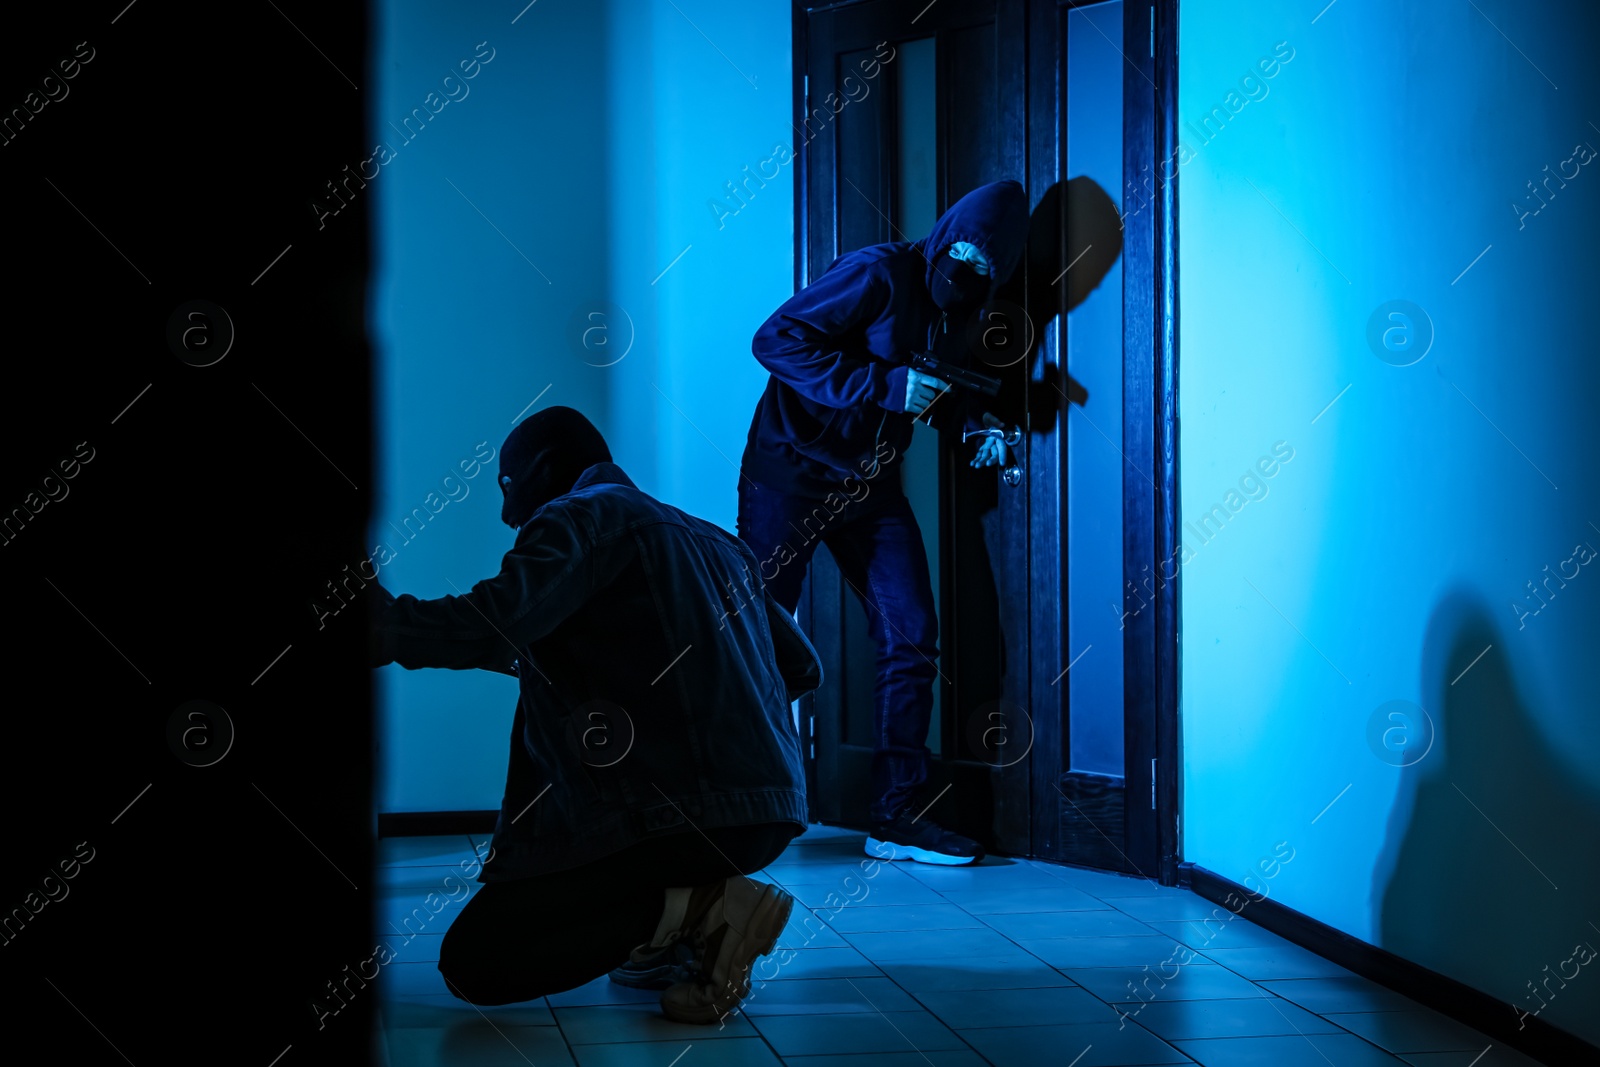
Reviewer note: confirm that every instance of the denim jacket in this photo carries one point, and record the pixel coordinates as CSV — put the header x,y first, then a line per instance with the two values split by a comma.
x,y
655,677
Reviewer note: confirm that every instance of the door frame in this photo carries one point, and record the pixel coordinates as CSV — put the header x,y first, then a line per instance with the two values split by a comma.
x,y
1152,792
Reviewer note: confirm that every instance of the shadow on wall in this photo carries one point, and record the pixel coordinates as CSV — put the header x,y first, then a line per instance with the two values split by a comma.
x,y
1525,883
1074,238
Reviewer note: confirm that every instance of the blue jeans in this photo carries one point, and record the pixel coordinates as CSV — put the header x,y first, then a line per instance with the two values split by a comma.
x,y
875,540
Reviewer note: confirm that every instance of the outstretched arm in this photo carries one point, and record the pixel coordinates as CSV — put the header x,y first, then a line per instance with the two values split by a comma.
x,y
547,576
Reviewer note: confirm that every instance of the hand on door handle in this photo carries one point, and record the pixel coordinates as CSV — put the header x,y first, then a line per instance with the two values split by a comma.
x,y
992,450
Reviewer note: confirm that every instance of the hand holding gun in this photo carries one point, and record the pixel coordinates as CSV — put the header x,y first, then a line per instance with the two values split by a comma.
x,y
956,376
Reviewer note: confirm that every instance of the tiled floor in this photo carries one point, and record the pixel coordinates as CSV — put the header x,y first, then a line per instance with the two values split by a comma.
x,y
1012,962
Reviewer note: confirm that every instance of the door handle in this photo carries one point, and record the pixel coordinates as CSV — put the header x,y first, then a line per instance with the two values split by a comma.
x,y
1011,437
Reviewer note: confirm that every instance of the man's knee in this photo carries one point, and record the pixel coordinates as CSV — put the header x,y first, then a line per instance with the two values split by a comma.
x,y
471,986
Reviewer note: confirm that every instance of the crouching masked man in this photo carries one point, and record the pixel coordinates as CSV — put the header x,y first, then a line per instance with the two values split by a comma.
x,y
822,463
654,761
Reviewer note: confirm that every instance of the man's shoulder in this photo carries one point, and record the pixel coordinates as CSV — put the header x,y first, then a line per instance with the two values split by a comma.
x,y
618,505
880,259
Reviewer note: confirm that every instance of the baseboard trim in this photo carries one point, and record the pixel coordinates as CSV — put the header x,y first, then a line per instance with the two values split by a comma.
x,y
434,823
1473,1007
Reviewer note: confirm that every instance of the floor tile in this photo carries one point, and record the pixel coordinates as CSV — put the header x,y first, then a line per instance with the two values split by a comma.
x,y
1488,1056
1094,1045
478,1043
986,901
1413,1031
406,1013
446,880
1106,924
806,930
1226,930
988,875
621,1023
813,963
1188,1020
1192,981
1283,961
1312,1050
1017,1007
1162,906
1007,962
1094,951
930,1058
839,895
448,850
825,996
814,1035
1018,971
1105,883
933,945
604,991
844,873
732,1052
1325,995
904,917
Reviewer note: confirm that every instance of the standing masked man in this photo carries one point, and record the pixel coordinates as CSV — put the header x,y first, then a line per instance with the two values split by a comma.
x,y
822,463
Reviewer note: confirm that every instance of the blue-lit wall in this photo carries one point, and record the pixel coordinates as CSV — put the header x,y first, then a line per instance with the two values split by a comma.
x,y
527,248
1385,551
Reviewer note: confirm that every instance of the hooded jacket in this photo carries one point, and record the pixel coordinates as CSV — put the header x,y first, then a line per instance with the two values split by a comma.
x,y
839,350
655,676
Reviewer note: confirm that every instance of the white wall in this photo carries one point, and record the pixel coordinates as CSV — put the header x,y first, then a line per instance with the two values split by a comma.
x,y
591,144
696,105
1379,164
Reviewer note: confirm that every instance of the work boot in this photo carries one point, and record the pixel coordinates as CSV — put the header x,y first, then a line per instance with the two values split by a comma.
x,y
742,922
922,841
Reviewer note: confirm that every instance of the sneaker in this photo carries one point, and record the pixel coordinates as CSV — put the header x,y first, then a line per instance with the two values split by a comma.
x,y
654,966
669,956
924,842
742,924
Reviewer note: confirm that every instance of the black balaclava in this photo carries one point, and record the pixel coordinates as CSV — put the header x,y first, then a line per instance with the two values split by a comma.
x,y
957,288
544,454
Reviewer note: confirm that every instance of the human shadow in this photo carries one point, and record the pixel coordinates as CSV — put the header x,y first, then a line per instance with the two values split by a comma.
x,y
1074,239
1492,853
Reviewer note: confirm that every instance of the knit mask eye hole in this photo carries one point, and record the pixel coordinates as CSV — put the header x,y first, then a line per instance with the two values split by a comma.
x,y
969,253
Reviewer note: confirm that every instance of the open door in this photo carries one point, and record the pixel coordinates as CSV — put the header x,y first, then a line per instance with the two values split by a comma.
x,y
1030,757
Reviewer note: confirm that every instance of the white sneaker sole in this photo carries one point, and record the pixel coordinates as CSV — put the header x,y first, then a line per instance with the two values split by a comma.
x,y
888,850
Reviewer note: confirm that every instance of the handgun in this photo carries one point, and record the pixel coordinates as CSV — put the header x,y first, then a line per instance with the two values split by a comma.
x,y
953,375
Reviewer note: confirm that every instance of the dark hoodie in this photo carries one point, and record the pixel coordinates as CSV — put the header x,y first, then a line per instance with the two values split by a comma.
x,y
839,350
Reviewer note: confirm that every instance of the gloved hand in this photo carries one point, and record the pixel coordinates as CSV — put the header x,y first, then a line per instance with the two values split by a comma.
x,y
921,391
991,450
377,654
991,453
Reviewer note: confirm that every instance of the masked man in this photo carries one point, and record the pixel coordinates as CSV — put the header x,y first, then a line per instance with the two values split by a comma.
x,y
654,759
822,463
